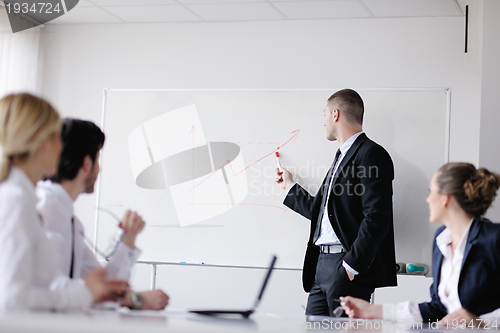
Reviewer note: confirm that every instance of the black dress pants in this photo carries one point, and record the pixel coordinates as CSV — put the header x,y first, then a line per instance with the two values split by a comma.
x,y
332,282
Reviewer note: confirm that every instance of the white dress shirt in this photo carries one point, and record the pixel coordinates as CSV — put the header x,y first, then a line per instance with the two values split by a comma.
x,y
448,284
327,235
29,278
56,209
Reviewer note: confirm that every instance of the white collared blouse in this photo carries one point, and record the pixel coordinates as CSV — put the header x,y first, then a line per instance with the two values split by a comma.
x,y
30,279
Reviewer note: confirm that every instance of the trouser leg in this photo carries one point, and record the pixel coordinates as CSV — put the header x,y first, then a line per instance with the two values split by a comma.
x,y
332,282
316,302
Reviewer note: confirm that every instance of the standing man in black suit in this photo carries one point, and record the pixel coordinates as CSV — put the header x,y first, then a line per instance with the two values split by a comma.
x,y
351,244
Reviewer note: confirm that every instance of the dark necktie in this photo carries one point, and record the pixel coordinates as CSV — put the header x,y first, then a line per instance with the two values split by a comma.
x,y
72,247
324,195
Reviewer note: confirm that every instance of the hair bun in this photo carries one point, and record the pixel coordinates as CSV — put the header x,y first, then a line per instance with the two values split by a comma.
x,y
481,189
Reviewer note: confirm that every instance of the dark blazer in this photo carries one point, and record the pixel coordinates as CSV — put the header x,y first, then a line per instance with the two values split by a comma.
x,y
360,211
479,282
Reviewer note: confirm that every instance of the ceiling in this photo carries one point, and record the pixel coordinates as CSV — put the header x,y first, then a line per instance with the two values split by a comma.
x,y
148,11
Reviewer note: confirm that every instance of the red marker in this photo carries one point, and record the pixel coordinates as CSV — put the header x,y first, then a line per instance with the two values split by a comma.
x,y
278,160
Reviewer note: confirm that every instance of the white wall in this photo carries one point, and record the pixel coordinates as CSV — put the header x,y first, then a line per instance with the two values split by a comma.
x,y
82,60
489,157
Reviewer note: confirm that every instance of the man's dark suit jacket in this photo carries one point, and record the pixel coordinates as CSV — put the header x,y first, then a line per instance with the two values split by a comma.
x,y
360,211
479,282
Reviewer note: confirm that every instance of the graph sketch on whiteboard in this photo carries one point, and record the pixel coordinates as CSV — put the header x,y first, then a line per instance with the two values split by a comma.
x,y
170,151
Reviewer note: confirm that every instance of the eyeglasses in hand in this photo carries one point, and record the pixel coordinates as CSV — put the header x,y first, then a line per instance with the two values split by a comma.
x,y
339,311
115,240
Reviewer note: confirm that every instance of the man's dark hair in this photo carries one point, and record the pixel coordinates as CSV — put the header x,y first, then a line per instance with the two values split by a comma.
x,y
80,138
350,103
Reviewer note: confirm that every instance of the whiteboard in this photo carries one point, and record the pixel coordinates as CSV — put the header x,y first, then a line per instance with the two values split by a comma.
x,y
198,165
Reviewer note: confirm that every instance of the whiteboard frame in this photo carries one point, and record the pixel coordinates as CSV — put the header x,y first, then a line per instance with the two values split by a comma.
x,y
445,90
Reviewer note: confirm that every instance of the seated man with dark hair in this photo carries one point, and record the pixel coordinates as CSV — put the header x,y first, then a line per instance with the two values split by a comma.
x,y
77,172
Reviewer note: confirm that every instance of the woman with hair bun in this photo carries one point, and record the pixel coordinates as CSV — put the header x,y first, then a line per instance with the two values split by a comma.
x,y
465,258
30,147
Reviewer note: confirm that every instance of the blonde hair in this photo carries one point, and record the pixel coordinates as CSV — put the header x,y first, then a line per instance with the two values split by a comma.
x,y
26,121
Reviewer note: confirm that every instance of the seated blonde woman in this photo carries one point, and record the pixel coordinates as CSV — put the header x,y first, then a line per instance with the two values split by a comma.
x,y
30,142
465,259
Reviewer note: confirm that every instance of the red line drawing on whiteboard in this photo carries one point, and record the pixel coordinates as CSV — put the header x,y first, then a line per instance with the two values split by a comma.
x,y
294,137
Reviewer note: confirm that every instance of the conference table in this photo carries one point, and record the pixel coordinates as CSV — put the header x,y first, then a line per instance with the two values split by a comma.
x,y
124,320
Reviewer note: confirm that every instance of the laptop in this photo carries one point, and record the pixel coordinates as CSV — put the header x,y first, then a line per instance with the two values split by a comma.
x,y
244,313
